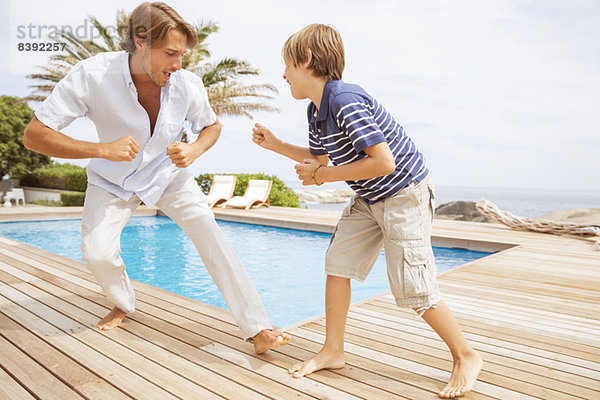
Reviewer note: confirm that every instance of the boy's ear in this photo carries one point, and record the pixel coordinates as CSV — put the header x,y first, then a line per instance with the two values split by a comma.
x,y
308,61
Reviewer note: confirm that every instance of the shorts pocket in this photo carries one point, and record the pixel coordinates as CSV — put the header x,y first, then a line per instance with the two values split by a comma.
x,y
402,215
418,270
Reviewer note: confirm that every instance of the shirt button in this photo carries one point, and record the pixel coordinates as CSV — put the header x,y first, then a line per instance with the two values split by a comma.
x,y
319,130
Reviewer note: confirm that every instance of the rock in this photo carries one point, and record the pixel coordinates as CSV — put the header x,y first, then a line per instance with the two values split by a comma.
x,y
589,216
460,211
324,195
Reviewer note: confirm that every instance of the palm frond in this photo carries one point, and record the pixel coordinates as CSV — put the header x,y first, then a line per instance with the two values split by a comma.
x,y
108,40
227,95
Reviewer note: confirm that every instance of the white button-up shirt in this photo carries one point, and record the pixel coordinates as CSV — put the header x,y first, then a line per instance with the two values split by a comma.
x,y
101,88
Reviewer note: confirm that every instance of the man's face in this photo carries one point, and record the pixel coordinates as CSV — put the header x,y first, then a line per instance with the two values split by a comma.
x,y
162,59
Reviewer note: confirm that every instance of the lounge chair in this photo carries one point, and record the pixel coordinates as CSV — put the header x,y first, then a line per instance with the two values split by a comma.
x,y
221,190
16,194
257,195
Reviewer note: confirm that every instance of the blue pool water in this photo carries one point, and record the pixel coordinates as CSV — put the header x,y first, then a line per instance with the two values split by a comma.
x,y
285,265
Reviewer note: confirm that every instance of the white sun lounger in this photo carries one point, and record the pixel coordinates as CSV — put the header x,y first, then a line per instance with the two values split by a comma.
x,y
257,195
221,190
16,194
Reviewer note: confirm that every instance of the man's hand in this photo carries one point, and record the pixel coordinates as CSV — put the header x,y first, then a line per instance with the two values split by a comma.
x,y
264,137
124,149
182,154
305,171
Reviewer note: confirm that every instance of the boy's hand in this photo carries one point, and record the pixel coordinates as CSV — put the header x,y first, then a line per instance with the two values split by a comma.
x,y
264,137
182,154
305,171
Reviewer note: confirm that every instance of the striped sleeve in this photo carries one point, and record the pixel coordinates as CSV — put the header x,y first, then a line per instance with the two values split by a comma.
x,y
354,115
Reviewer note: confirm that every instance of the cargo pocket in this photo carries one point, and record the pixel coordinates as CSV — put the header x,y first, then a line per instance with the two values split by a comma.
x,y
417,279
402,215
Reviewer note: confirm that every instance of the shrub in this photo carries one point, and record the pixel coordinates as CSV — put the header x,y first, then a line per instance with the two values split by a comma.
x,y
72,198
281,194
15,159
58,176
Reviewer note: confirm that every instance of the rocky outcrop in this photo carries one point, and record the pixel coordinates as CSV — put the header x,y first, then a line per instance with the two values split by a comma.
x,y
324,195
460,211
581,216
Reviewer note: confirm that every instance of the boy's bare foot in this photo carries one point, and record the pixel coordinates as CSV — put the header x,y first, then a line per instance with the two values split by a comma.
x,y
268,340
112,320
464,375
323,360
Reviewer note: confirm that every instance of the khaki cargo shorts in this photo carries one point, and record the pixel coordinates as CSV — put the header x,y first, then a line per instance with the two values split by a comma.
x,y
401,223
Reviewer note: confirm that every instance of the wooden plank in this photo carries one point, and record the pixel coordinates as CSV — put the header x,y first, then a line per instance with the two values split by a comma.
x,y
525,344
131,348
424,351
517,285
394,380
64,368
131,383
443,376
533,300
309,386
32,375
492,373
422,330
11,389
152,332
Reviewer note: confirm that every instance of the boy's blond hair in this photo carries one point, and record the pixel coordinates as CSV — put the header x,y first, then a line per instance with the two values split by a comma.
x,y
151,22
324,43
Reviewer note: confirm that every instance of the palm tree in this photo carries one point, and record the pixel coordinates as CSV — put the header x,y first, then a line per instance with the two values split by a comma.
x,y
220,79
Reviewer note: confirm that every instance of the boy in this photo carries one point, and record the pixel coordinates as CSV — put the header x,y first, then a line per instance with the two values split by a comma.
x,y
393,205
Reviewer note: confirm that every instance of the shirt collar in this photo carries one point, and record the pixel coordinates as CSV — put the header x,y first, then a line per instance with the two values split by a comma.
x,y
324,107
126,71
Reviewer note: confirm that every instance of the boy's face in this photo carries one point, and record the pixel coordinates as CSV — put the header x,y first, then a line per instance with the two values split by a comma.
x,y
296,77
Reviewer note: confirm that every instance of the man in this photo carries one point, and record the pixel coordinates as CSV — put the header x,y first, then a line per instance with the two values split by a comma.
x,y
139,100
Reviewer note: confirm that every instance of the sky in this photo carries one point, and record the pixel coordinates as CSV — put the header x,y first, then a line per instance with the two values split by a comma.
x,y
495,93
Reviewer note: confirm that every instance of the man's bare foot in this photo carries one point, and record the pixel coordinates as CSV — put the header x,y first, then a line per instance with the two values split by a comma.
x,y
464,375
269,340
112,320
323,360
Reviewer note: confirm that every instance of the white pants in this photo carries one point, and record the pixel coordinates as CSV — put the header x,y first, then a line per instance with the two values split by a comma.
x,y
105,215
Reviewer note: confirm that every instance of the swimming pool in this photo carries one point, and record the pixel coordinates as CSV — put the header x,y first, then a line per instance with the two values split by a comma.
x,y
285,265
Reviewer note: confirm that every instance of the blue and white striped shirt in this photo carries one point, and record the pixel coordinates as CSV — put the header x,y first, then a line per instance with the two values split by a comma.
x,y
349,121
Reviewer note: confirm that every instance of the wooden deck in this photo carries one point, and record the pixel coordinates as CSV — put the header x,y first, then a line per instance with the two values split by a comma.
x,y
532,310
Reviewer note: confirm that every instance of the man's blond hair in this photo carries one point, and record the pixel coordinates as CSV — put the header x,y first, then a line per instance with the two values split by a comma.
x,y
151,22
323,43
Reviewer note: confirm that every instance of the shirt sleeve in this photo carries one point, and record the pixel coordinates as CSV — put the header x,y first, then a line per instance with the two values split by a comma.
x,y
200,114
68,101
354,115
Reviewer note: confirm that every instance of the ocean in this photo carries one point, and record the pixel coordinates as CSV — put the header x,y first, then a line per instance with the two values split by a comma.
x,y
529,203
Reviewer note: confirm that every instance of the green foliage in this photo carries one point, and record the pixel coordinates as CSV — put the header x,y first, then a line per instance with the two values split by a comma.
x,y
72,198
15,159
281,194
58,176
46,203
